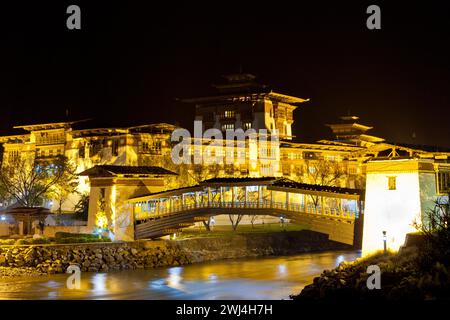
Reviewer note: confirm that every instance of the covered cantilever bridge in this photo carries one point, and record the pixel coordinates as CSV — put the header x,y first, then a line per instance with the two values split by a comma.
x,y
326,209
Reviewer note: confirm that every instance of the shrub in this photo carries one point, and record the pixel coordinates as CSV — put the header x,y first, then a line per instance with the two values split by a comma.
x,y
22,241
40,241
7,242
62,235
83,239
67,240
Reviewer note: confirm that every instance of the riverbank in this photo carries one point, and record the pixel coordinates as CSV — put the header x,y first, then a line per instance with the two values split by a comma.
x,y
104,257
404,276
19,272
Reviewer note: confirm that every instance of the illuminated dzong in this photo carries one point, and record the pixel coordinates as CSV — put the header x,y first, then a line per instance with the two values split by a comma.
x,y
352,188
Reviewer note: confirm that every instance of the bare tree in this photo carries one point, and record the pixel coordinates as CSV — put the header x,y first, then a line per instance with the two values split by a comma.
x,y
28,181
435,220
435,226
324,173
66,185
236,218
253,218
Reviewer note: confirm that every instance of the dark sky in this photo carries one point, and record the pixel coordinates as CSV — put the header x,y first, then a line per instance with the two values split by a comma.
x,y
129,62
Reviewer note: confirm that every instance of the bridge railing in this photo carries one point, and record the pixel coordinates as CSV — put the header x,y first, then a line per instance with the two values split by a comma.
x,y
264,204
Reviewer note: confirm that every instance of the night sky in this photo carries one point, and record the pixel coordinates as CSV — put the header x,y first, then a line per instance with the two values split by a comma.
x,y
129,63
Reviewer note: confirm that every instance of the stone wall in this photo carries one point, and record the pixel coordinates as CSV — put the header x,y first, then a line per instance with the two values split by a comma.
x,y
338,230
4,229
150,254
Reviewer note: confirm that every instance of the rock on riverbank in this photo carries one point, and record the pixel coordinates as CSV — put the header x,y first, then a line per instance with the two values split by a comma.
x,y
19,272
104,257
401,278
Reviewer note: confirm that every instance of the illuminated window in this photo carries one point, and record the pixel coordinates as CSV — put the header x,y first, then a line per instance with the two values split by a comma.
x,y
392,183
228,126
443,179
229,114
247,125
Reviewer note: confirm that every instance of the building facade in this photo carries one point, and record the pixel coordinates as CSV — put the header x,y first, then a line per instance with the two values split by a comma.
x,y
401,181
242,103
85,148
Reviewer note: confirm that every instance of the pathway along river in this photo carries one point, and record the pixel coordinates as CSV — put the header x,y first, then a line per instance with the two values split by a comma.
x,y
259,278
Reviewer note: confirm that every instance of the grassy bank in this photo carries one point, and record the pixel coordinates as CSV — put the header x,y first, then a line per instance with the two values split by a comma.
x,y
59,238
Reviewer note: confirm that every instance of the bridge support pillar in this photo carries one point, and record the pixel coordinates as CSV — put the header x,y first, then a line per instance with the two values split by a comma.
x,y
232,196
271,198
246,197
196,199
322,204
287,200
259,195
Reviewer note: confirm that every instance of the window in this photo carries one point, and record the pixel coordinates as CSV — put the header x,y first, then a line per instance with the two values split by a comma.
x,y
443,179
152,146
115,147
228,126
247,125
13,155
392,183
229,114
81,152
312,169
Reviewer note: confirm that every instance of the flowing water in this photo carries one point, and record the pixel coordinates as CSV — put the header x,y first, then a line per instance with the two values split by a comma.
x,y
258,278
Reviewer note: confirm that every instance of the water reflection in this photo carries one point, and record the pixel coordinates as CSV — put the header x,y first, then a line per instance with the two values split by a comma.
x,y
281,270
262,278
174,278
99,283
340,259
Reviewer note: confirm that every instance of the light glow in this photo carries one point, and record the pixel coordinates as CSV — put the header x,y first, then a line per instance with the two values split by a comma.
x,y
393,211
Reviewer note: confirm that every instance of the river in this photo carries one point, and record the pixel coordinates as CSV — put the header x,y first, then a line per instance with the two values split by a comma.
x,y
258,278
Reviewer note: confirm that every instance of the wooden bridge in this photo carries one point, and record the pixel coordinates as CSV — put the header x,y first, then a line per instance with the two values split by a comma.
x,y
326,209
